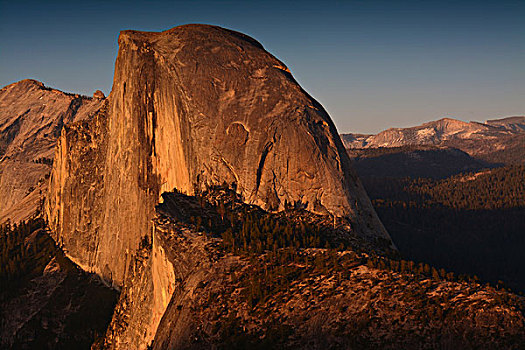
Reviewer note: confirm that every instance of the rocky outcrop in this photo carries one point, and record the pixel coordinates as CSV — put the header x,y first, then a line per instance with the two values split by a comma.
x,y
192,106
161,268
31,118
99,94
75,201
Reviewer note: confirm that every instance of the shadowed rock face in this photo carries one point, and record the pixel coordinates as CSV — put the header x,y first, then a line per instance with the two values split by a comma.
x,y
191,106
31,117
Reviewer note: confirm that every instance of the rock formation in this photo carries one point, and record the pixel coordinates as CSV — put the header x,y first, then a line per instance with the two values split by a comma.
x,y
99,94
193,106
31,117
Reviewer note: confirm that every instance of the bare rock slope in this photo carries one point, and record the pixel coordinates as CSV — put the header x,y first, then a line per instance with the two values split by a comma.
x,y
31,117
191,106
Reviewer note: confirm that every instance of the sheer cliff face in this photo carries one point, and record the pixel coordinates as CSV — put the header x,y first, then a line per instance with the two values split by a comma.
x,y
190,106
31,117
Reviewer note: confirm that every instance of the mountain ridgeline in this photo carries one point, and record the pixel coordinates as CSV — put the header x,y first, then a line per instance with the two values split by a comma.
x,y
31,119
215,197
447,146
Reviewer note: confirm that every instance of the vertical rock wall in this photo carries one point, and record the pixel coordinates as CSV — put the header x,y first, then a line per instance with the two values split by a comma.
x,y
148,288
76,193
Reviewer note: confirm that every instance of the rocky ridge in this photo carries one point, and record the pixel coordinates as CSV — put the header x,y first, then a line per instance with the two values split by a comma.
x,y
436,132
31,119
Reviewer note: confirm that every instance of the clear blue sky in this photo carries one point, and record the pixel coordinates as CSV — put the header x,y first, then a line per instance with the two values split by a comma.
x,y
372,64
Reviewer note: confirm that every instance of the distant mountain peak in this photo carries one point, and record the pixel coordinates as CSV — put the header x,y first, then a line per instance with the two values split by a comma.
x,y
24,84
435,132
496,141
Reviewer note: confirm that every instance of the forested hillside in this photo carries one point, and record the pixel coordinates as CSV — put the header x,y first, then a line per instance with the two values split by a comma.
x,y
415,161
471,223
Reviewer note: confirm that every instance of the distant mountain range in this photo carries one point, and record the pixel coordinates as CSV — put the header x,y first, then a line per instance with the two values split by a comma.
x,y
439,148
437,132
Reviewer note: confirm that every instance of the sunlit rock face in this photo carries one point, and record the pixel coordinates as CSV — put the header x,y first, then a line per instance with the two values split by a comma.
x,y
191,106
31,118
